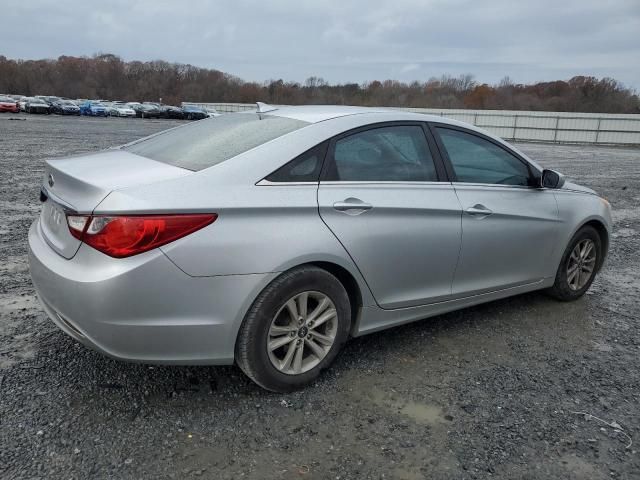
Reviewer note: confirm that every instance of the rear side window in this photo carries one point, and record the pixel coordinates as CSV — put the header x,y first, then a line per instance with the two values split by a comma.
x,y
208,142
389,154
304,168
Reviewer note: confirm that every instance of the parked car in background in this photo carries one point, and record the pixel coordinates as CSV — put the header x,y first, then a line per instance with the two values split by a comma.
x,y
65,107
120,110
22,102
109,106
8,104
37,105
146,110
192,112
49,99
165,110
169,111
93,109
212,112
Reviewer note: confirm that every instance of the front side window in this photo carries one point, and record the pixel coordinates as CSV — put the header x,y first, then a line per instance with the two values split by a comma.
x,y
389,154
476,160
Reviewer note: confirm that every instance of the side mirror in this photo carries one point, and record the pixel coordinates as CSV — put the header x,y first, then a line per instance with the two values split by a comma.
x,y
552,179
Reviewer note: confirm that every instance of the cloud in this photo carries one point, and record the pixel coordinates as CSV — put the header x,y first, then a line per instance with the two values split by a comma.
x,y
342,41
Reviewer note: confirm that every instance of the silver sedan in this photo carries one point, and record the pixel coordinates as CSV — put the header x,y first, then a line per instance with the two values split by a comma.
x,y
268,238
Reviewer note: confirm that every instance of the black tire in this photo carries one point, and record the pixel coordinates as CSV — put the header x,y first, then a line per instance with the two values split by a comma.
x,y
251,345
560,289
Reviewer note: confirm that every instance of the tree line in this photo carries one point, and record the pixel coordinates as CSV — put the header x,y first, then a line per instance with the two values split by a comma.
x,y
107,76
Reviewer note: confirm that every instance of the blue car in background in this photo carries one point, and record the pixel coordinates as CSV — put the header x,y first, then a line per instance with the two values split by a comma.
x,y
93,109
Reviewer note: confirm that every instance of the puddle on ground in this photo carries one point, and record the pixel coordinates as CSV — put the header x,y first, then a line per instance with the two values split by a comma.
x,y
422,413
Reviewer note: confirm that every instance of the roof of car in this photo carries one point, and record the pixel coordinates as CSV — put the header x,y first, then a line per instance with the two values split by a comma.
x,y
320,113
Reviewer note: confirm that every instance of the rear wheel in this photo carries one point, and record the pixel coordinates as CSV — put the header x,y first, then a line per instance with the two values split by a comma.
x,y
294,329
578,266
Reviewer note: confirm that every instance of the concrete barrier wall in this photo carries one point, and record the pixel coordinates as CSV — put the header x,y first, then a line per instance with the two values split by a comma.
x,y
558,127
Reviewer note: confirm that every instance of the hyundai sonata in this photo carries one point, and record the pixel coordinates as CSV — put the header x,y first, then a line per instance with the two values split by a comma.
x,y
268,238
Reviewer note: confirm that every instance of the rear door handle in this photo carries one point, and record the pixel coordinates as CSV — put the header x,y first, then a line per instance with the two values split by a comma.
x,y
352,206
478,210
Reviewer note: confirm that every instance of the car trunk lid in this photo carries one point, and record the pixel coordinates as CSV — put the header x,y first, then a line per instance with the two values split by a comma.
x,y
79,184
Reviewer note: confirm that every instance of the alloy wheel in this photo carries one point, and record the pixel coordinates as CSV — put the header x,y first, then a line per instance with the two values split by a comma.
x,y
581,264
302,332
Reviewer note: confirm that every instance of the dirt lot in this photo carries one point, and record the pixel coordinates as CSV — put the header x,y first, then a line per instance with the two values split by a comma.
x,y
492,391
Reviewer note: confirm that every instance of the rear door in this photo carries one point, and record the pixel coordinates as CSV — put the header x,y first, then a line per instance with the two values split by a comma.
x,y
509,225
384,195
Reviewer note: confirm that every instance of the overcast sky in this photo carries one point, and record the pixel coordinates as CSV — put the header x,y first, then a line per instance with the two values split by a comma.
x,y
341,41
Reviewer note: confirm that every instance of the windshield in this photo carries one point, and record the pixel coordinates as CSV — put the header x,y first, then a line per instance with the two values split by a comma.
x,y
7,99
68,103
209,142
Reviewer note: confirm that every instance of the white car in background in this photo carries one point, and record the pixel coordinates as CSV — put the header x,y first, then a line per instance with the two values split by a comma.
x,y
212,112
120,110
23,103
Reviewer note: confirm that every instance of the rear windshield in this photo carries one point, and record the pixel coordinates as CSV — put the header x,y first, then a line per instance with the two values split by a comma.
x,y
208,142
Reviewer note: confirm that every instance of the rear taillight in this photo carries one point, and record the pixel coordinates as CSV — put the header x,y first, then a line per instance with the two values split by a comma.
x,y
124,236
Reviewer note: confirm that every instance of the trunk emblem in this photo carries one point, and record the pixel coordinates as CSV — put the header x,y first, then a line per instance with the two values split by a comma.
x,y
50,180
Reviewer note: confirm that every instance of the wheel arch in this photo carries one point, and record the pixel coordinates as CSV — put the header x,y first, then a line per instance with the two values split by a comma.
x,y
603,233
350,284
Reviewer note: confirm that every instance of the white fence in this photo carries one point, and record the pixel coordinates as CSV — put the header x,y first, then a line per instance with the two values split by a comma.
x,y
559,127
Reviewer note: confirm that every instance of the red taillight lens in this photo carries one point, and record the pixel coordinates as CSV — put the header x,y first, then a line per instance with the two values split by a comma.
x,y
124,236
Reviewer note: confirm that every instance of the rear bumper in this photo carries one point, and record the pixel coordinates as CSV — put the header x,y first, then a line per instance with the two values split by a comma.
x,y
141,308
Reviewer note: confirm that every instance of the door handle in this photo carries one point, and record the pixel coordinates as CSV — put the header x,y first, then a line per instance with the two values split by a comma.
x,y
478,210
352,206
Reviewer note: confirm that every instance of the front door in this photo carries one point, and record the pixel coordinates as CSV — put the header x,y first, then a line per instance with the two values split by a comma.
x,y
509,225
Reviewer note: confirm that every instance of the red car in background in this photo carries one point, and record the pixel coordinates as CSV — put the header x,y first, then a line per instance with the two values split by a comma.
x,y
9,105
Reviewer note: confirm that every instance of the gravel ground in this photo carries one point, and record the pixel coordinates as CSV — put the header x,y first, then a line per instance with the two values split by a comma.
x,y
491,391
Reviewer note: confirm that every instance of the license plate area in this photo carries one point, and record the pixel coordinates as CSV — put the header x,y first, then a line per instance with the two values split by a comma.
x,y
53,221
53,216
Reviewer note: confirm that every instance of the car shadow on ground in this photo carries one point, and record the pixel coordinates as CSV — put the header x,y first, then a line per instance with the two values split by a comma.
x,y
532,317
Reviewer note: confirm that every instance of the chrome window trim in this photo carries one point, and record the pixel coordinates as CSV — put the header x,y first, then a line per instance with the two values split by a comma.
x,y
381,182
495,185
267,183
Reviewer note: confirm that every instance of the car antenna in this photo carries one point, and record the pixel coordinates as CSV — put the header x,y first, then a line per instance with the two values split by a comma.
x,y
264,108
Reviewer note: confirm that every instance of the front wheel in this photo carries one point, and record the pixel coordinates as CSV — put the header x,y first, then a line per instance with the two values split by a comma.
x,y
578,266
294,329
